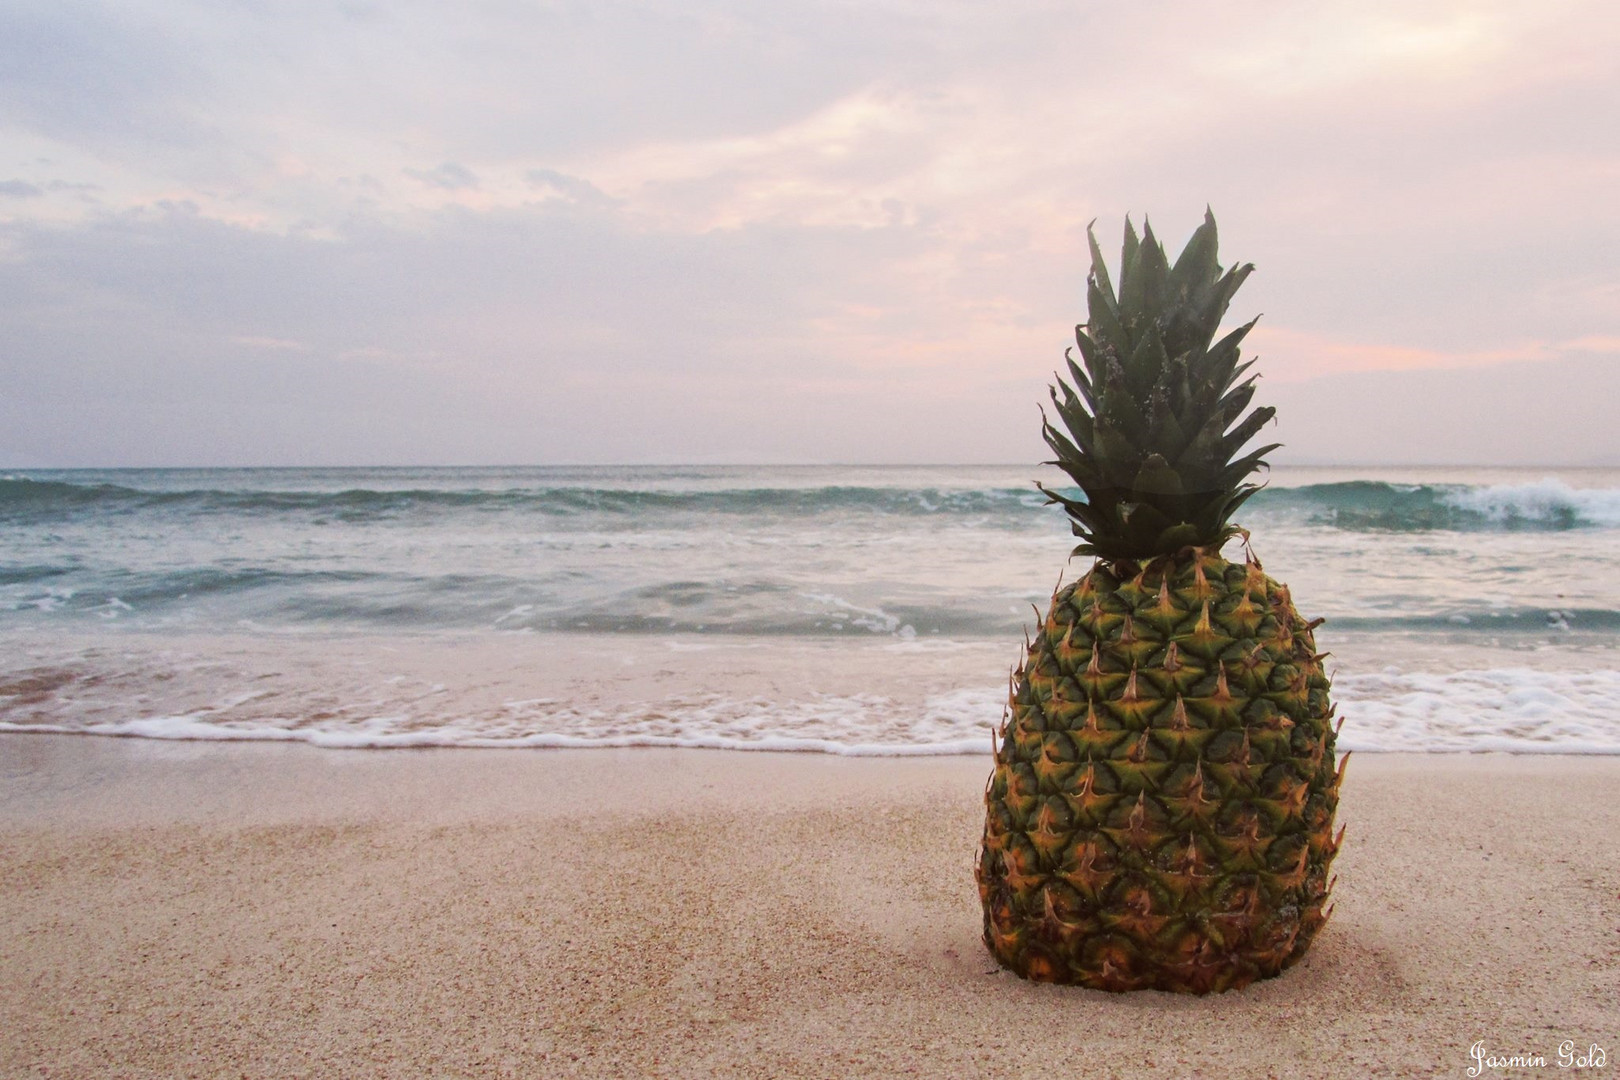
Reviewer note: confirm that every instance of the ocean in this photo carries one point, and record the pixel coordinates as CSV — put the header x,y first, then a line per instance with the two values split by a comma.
x,y
852,610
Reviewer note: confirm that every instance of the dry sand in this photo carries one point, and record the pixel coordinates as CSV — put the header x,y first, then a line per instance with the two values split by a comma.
x,y
176,910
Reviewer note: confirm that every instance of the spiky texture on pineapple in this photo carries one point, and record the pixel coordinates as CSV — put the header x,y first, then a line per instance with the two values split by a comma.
x,y
1161,810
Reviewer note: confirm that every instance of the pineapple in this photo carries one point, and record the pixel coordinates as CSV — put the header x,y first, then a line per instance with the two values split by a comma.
x,y
1161,810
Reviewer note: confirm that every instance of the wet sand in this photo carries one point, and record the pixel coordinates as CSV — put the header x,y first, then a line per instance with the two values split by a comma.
x,y
212,910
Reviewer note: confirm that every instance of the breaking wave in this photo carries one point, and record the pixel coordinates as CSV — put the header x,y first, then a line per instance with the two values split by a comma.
x,y
1356,505
1367,505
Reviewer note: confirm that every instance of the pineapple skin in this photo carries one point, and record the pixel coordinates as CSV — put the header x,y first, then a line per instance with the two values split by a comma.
x,y
1160,815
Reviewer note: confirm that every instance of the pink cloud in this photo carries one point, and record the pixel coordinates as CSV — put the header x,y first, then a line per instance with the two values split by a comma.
x,y
1287,355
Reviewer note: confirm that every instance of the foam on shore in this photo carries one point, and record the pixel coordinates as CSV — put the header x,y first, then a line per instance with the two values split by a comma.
x,y
1518,710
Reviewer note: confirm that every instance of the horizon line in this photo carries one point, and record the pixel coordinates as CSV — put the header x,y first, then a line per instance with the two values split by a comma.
x,y
781,465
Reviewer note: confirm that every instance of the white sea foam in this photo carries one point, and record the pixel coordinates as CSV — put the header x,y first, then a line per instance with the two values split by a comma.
x,y
1517,710
861,725
1514,709
1547,500
872,619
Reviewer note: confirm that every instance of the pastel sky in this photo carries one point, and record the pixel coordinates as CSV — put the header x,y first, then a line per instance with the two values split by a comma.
x,y
493,231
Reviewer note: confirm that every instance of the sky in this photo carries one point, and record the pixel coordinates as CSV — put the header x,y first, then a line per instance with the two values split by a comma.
x,y
492,232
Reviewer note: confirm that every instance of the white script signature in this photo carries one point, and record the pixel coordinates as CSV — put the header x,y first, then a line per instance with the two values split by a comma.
x,y
1568,1056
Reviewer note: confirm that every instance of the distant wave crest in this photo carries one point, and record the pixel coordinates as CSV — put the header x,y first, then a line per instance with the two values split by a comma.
x,y
1358,505
23,496
1373,505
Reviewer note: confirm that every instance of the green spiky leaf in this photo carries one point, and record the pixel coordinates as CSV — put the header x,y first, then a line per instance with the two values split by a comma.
x,y
1153,417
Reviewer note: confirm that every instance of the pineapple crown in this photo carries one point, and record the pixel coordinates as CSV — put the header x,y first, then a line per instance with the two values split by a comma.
x,y
1153,415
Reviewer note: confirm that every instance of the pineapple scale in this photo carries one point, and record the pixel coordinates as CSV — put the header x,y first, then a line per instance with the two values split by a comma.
x,y
1161,810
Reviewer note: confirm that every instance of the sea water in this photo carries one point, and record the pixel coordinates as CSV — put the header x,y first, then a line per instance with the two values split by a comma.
x,y
839,609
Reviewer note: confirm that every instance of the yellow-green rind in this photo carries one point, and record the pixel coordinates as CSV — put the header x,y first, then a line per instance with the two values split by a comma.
x,y
1161,811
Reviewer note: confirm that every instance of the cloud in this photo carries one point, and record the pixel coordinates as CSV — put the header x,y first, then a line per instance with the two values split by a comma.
x,y
257,342
1537,413
450,176
87,70
1302,356
588,231
544,334
572,188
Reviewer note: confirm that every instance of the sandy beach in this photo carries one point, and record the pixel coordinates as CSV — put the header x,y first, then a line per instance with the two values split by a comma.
x,y
211,910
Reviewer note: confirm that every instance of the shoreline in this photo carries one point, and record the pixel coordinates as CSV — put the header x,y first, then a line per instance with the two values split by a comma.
x,y
872,694
210,909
